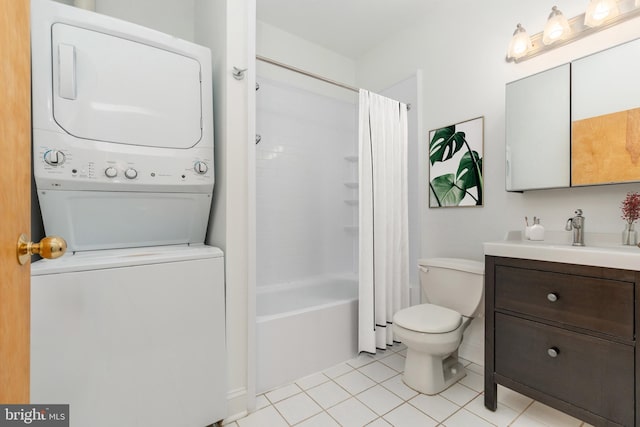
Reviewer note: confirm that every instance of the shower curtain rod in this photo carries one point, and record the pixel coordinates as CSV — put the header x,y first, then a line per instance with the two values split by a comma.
x,y
306,73
309,74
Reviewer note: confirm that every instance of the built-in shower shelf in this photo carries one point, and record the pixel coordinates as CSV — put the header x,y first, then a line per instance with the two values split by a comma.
x,y
351,227
352,185
352,202
353,159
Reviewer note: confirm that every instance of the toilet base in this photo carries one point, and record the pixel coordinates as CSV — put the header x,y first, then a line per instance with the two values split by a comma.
x,y
430,374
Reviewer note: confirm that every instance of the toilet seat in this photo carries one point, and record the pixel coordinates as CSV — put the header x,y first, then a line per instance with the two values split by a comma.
x,y
428,318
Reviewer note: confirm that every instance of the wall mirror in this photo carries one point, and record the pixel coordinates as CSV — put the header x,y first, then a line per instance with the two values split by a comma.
x,y
577,124
605,116
538,130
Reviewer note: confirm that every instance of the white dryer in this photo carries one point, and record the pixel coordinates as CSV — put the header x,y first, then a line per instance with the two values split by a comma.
x,y
122,131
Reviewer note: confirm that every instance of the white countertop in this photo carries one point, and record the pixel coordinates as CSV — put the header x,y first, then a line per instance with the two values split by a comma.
x,y
600,250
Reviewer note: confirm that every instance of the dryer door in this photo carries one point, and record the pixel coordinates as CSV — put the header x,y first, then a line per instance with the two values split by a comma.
x,y
108,88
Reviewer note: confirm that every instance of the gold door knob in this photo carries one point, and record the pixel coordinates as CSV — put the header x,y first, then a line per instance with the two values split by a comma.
x,y
49,247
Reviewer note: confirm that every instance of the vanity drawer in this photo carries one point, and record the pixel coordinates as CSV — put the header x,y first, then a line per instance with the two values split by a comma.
x,y
592,303
588,372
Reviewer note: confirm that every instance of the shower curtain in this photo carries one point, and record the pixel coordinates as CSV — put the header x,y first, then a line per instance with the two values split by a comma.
x,y
383,216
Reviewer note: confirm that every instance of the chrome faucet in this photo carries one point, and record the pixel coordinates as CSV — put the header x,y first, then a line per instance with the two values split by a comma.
x,y
576,224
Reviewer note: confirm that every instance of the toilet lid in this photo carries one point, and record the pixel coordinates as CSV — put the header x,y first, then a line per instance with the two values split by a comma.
x,y
428,318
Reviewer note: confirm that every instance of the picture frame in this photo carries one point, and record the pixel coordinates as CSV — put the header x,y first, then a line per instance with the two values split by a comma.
x,y
456,174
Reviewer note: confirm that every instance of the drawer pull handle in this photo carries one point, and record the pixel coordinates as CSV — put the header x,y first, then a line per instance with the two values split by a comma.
x,y
553,297
553,352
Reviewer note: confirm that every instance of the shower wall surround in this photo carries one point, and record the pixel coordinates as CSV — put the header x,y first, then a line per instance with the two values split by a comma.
x,y
302,182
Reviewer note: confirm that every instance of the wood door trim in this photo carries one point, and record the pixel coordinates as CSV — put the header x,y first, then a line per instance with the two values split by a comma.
x,y
15,202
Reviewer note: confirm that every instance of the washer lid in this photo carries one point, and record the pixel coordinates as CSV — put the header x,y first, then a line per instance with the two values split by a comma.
x,y
121,258
428,318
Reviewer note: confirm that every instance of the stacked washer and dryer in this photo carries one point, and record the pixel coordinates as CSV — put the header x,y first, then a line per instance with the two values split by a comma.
x,y
128,326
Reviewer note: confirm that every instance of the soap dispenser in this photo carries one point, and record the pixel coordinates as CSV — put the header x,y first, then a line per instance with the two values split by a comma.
x,y
537,230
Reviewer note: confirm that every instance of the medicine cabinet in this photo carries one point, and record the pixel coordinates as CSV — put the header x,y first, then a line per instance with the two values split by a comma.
x,y
577,124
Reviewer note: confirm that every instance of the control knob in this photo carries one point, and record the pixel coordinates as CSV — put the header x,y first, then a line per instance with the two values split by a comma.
x,y
111,172
200,168
54,157
131,173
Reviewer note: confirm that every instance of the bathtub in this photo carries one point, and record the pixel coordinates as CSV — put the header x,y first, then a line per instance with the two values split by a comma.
x,y
303,328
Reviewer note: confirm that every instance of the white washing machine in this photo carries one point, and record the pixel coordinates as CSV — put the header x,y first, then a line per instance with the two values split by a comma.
x,y
128,327
131,338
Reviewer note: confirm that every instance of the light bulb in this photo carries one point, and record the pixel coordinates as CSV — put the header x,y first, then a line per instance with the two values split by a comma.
x,y
599,11
557,27
520,43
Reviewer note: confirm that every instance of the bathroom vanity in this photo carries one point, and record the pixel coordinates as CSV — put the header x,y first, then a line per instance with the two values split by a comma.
x,y
560,328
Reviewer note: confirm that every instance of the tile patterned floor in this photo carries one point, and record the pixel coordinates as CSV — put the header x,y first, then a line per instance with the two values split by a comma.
x,y
368,391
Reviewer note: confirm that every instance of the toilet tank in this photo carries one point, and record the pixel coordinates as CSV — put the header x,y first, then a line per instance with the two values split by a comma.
x,y
454,283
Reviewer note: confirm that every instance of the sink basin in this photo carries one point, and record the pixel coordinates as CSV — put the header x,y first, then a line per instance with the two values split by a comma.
x,y
600,250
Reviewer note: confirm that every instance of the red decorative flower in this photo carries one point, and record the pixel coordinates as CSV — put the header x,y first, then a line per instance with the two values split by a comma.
x,y
631,207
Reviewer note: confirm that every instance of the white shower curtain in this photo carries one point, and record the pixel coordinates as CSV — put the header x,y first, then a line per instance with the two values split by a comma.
x,y
383,215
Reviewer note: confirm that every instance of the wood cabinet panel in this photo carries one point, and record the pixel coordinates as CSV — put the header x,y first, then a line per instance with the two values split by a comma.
x,y
588,372
593,303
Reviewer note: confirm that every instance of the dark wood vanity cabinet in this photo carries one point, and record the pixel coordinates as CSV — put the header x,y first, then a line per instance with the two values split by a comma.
x,y
565,335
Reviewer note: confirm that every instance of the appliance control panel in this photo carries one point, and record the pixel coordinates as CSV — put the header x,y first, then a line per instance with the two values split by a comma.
x,y
60,164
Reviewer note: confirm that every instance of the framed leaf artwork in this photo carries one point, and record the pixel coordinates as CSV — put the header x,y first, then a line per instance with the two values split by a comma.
x,y
455,164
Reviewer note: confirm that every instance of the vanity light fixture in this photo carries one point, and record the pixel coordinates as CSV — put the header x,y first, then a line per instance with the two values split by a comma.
x,y
600,14
557,27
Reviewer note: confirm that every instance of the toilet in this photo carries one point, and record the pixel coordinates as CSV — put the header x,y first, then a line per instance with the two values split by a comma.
x,y
432,332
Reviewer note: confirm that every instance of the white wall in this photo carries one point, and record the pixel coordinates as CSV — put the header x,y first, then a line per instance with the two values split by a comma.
x,y
464,77
461,48
175,17
292,50
281,46
224,26
300,184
